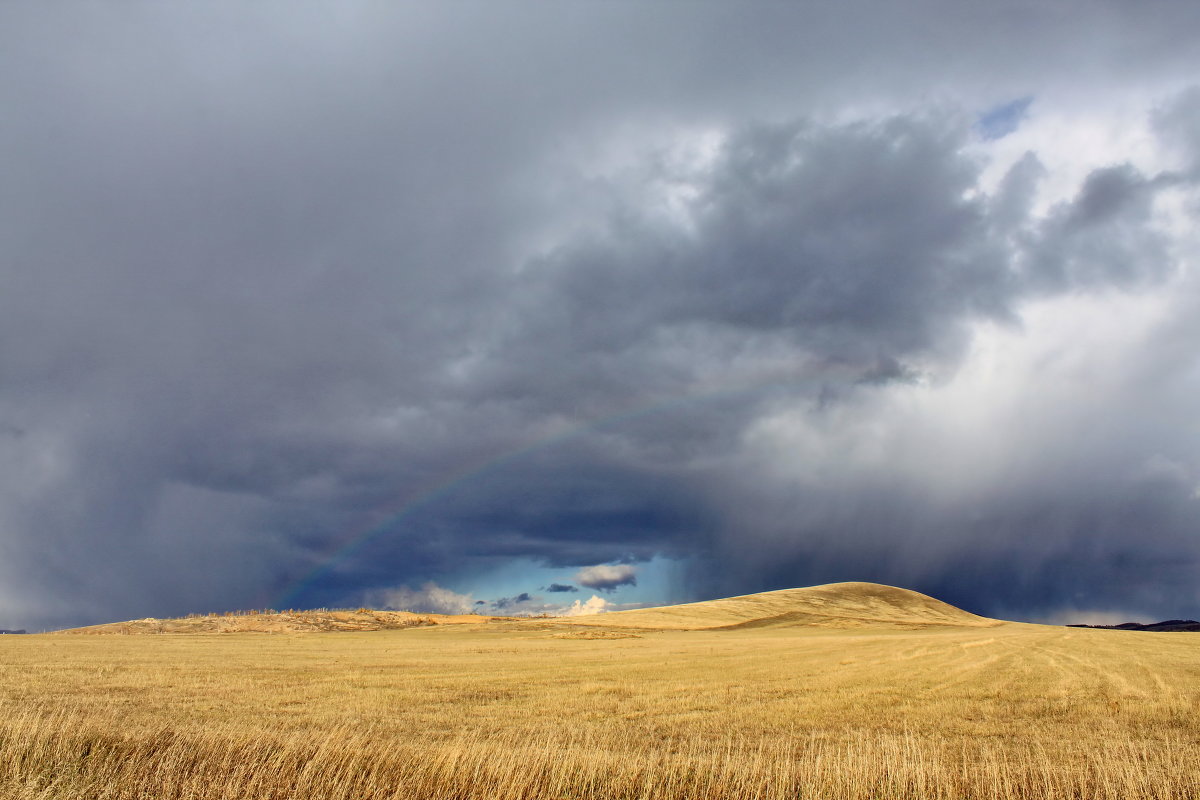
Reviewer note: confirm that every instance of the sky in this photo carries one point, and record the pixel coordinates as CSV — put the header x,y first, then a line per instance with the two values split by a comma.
x,y
563,307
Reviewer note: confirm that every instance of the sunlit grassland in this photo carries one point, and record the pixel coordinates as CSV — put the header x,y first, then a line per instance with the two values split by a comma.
x,y
532,710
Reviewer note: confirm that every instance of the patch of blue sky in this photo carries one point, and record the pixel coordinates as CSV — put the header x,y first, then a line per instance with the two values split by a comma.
x,y
658,583
1001,120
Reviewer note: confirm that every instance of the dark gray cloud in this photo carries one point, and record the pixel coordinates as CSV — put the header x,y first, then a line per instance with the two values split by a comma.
x,y
463,285
561,587
510,603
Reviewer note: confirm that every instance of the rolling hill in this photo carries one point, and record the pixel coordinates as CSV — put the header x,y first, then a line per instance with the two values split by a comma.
x,y
315,621
834,605
854,691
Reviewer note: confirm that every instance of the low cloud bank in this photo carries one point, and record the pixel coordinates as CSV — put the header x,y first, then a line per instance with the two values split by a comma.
x,y
429,599
593,605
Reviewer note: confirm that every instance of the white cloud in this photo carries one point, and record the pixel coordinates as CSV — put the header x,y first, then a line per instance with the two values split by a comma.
x,y
607,577
593,605
429,599
1055,377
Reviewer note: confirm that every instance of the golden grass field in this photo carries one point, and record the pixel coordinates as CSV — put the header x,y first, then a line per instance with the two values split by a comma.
x,y
845,691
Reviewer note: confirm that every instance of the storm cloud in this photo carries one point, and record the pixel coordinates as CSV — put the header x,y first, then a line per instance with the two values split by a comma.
x,y
310,305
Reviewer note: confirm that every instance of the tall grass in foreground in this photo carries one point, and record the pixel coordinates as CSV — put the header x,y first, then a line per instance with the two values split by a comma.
x,y
71,756
515,711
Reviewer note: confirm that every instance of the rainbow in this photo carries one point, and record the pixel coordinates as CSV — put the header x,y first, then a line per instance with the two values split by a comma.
x,y
349,544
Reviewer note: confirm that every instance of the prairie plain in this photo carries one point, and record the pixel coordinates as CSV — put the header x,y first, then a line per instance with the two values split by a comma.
x,y
844,691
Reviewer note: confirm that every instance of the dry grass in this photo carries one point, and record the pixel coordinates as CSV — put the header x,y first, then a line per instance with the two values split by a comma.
x,y
515,710
291,621
833,605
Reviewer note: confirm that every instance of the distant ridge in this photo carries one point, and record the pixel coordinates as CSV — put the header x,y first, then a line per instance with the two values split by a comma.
x,y
1170,625
831,605
315,621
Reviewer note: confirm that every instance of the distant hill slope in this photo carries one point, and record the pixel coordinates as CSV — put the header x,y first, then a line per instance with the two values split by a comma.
x,y
283,622
832,605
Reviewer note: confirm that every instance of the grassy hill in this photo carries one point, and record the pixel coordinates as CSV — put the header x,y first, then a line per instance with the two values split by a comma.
x,y
314,621
846,691
833,605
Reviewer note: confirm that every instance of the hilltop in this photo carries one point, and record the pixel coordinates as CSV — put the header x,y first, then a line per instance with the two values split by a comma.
x,y
833,605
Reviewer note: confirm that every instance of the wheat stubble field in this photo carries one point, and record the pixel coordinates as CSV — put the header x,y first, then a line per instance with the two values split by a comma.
x,y
847,691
